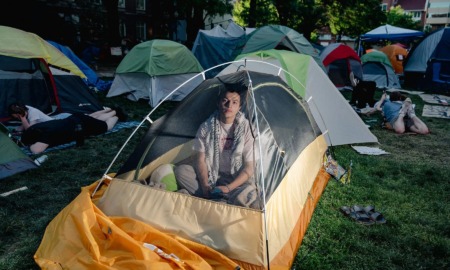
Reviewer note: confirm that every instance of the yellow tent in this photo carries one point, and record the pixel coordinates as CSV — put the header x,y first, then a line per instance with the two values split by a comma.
x,y
21,44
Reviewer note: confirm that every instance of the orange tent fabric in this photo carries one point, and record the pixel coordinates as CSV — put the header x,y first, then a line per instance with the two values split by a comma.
x,y
82,237
396,55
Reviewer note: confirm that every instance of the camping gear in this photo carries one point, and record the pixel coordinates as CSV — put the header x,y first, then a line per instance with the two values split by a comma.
x,y
339,61
363,94
152,69
12,159
280,37
378,68
218,45
309,81
427,66
396,55
290,177
35,73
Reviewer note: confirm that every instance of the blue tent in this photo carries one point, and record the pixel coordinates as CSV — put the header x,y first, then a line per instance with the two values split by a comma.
x,y
427,66
391,33
217,46
92,78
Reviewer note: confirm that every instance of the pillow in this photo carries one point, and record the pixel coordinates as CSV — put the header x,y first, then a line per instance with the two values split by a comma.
x,y
164,175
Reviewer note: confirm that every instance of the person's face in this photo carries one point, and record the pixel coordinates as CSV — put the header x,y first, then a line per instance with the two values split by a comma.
x,y
229,106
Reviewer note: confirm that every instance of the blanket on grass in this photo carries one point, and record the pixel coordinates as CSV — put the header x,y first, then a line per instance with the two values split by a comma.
x,y
117,127
436,111
435,99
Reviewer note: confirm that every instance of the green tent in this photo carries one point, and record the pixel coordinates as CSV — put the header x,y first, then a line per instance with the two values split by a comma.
x,y
12,159
153,69
281,38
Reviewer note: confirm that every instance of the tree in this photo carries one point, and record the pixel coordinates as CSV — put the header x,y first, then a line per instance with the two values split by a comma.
x,y
397,17
196,11
352,18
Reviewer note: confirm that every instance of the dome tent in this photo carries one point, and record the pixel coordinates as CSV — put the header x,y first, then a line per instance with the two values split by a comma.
x,y
35,73
339,61
378,68
154,68
290,176
396,55
427,66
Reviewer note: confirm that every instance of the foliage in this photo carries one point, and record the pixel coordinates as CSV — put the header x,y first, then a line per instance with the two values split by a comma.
x,y
265,13
349,18
397,17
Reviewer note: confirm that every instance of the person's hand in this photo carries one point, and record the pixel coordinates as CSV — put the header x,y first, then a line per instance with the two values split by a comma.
x,y
206,190
224,189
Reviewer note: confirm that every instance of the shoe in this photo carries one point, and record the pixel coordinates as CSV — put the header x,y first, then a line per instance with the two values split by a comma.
x,y
120,114
411,113
405,106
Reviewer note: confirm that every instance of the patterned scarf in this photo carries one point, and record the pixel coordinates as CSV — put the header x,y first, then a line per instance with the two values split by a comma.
x,y
210,130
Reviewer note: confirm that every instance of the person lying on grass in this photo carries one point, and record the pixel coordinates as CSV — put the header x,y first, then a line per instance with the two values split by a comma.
x,y
29,116
399,112
41,131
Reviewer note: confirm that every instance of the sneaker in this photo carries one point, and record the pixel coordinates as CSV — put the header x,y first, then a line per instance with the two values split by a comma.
x,y
411,113
405,106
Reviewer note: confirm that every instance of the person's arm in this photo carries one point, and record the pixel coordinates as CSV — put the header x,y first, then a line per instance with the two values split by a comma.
x,y
25,123
381,102
242,177
202,173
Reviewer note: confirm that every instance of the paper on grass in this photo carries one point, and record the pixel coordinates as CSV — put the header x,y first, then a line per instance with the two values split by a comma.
x,y
373,151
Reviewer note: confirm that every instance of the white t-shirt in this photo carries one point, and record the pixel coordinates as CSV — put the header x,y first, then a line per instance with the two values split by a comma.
x,y
226,137
36,116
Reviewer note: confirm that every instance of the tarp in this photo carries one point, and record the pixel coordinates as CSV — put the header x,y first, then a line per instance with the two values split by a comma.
x,y
81,236
392,33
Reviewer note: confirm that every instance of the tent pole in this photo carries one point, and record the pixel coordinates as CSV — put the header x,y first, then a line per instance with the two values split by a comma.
x,y
250,88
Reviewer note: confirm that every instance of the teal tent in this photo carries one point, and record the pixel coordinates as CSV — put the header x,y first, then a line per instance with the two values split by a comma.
x,y
281,38
378,68
12,159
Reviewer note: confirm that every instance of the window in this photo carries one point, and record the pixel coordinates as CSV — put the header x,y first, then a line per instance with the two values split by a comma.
x,y
122,29
416,14
140,4
439,5
140,31
121,4
384,7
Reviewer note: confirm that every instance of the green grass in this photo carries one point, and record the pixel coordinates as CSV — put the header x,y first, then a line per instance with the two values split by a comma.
x,y
410,186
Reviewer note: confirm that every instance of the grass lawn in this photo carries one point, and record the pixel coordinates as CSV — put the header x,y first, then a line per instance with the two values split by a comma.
x,y
410,187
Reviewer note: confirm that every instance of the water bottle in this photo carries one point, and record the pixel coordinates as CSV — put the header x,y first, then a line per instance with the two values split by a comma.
x,y
40,160
79,137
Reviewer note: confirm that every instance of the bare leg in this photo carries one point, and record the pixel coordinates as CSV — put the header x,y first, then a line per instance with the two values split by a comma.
x,y
38,147
103,115
419,126
399,124
111,122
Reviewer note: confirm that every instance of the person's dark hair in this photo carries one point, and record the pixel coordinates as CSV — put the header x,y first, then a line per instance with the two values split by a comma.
x,y
240,89
17,108
397,96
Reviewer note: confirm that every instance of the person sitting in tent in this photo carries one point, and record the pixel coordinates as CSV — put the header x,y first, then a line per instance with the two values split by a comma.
x,y
29,116
224,163
399,112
